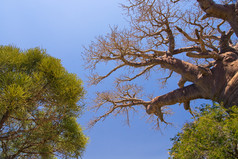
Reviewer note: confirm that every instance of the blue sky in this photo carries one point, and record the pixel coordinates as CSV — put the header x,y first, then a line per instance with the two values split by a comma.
x,y
62,27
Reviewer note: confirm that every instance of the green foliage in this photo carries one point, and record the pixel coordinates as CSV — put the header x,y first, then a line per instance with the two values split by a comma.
x,y
39,104
213,134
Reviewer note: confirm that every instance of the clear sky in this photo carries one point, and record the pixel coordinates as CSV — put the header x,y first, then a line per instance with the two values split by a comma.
x,y
62,27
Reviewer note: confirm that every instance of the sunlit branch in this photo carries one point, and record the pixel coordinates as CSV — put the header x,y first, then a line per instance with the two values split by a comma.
x,y
166,78
138,75
189,70
96,80
198,40
212,54
187,49
180,95
186,35
119,104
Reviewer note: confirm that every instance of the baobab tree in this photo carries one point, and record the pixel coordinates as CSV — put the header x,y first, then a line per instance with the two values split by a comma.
x,y
194,39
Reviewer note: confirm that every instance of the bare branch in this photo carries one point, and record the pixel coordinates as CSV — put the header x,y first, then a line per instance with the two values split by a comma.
x,y
180,95
213,55
186,35
198,40
188,49
122,100
138,75
164,80
160,31
96,79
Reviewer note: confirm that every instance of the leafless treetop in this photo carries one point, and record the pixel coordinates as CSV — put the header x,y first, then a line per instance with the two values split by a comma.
x,y
160,32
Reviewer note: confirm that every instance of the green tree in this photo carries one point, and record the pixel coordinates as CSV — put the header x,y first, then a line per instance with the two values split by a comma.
x,y
39,104
213,134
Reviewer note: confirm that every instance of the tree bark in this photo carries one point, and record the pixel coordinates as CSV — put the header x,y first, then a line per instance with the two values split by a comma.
x,y
221,85
227,12
181,95
4,118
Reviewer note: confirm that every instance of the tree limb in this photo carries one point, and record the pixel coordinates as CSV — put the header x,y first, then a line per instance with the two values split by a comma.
x,y
138,75
180,95
226,12
213,55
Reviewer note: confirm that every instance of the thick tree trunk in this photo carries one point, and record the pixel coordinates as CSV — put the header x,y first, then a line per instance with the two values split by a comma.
x,y
228,13
220,85
226,77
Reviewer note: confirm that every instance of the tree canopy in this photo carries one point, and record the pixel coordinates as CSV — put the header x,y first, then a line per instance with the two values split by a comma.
x,y
193,39
39,102
212,134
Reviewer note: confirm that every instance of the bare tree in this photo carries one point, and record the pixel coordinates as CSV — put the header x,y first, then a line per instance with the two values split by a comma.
x,y
160,33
